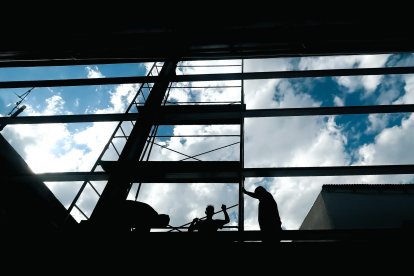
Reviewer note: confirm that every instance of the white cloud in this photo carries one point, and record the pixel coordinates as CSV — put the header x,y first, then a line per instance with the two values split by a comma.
x,y
343,62
51,148
368,83
54,148
45,147
120,98
55,105
179,94
260,93
408,97
338,101
294,140
271,64
209,67
93,72
389,95
64,191
392,145
377,122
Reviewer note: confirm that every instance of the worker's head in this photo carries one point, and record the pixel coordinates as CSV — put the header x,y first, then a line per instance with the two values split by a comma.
x,y
162,220
260,191
210,211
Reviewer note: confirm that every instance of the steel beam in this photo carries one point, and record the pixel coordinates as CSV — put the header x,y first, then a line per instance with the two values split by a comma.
x,y
322,111
196,114
76,82
247,172
328,171
68,62
59,176
213,77
176,172
295,74
58,119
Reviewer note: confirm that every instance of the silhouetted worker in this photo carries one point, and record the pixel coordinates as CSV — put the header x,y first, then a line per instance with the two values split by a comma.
x,y
142,217
209,225
269,219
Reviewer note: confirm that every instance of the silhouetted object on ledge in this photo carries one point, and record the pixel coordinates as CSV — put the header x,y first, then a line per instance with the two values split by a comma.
x,y
269,219
15,114
130,216
141,217
209,225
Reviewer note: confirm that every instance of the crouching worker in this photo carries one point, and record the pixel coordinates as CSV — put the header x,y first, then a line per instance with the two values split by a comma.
x,y
141,217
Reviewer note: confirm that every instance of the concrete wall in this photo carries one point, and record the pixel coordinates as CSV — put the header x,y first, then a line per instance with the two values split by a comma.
x,y
318,217
359,209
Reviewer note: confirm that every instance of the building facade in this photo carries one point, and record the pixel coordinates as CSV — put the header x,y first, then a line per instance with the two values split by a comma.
x,y
362,206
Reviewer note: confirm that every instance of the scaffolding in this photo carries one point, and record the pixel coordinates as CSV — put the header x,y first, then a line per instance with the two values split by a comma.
x,y
125,164
137,131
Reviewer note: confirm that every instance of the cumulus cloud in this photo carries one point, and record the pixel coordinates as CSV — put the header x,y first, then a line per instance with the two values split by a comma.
x,y
408,96
338,101
93,72
392,145
289,141
56,148
285,141
377,122
51,148
368,83
260,93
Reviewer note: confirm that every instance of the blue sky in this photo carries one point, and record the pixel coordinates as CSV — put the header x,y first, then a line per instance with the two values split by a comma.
x,y
270,142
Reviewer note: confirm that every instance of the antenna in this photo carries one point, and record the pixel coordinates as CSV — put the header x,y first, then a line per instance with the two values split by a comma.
x,y
22,97
17,109
15,114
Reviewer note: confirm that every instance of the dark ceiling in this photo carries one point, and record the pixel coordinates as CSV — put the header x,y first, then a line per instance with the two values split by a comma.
x,y
149,37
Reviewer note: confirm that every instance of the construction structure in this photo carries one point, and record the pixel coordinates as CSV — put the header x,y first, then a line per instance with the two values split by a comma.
x,y
135,134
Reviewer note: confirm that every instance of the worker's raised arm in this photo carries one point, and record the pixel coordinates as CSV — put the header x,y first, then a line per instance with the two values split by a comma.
x,y
226,216
249,193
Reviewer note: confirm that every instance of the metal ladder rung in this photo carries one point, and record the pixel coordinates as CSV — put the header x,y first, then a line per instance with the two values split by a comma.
x,y
140,91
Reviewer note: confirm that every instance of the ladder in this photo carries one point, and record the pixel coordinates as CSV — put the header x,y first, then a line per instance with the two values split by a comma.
x,y
121,132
